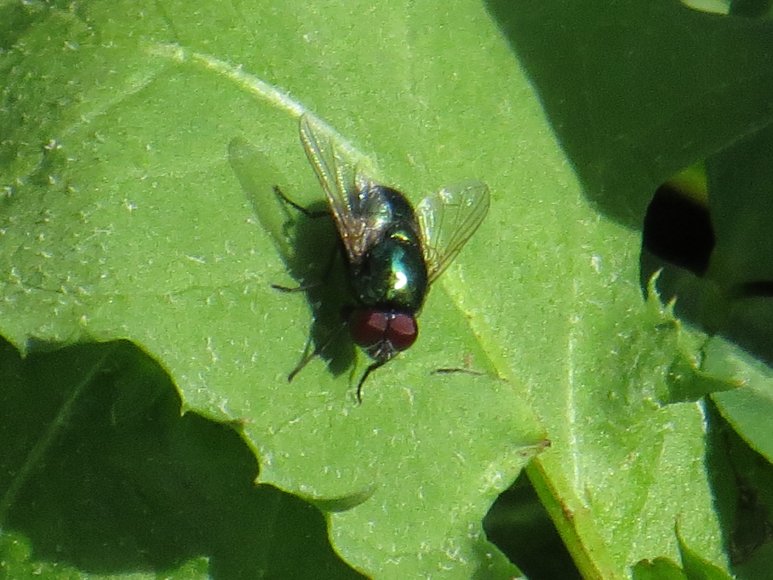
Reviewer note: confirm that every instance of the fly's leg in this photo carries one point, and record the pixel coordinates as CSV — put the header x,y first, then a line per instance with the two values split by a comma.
x,y
452,370
365,375
309,354
300,288
466,369
305,211
312,215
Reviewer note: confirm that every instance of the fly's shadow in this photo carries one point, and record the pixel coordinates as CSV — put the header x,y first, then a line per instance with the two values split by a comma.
x,y
307,241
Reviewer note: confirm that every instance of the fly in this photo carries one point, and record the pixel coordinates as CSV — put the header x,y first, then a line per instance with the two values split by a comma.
x,y
393,252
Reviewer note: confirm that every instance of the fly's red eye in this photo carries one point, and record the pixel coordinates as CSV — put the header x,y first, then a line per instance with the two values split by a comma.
x,y
402,331
368,327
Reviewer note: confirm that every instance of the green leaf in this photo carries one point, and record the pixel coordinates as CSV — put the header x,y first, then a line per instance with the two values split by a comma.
x,y
638,91
747,408
658,569
124,219
695,568
128,130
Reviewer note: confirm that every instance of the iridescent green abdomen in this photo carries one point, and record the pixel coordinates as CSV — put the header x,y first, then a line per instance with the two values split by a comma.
x,y
393,273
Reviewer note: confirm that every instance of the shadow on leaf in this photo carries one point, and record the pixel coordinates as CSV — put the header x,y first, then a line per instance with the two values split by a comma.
x,y
309,247
102,473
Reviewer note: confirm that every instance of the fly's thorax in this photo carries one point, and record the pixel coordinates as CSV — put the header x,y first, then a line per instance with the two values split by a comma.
x,y
392,272
389,206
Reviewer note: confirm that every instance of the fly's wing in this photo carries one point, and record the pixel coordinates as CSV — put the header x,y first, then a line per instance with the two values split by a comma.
x,y
257,176
448,219
346,190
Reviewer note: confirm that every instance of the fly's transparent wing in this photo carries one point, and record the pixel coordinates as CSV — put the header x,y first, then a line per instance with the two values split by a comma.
x,y
448,219
343,186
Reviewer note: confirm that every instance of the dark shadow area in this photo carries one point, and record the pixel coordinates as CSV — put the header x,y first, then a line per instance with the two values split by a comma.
x,y
101,472
519,526
317,265
715,259
677,243
309,247
751,8
677,229
742,483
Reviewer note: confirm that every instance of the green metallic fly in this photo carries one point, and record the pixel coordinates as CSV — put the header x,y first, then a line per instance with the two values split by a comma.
x,y
393,252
